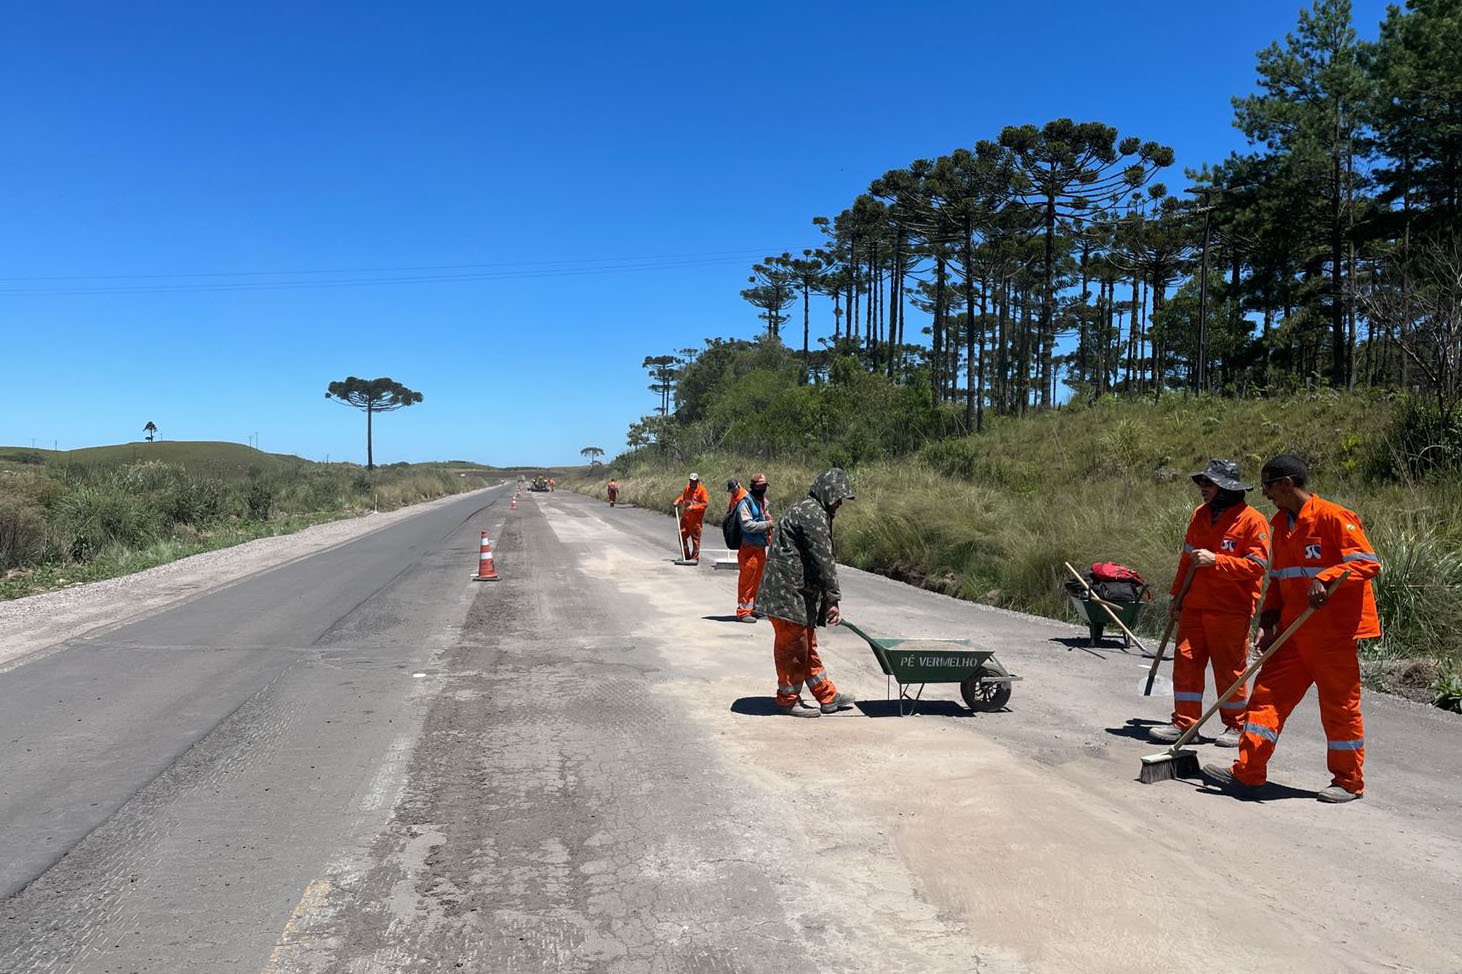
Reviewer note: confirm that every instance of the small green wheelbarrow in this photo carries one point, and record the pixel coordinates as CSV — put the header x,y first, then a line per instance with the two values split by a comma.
x,y
983,683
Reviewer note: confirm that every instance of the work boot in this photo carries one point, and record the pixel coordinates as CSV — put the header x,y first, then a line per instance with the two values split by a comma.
x,y
1222,777
1336,795
1164,733
746,618
800,709
1229,737
843,701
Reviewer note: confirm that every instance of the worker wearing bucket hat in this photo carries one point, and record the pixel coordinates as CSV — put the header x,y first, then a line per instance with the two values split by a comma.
x,y
1316,543
1226,548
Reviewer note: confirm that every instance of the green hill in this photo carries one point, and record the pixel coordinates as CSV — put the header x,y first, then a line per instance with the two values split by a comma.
x,y
204,457
79,515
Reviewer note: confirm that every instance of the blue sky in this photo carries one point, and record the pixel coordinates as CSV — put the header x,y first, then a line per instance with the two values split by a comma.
x,y
211,211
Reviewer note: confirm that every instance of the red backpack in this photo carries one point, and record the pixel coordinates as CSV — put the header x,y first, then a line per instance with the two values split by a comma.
x,y
1112,571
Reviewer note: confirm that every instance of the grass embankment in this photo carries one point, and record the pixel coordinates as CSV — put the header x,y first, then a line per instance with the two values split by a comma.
x,y
85,515
991,518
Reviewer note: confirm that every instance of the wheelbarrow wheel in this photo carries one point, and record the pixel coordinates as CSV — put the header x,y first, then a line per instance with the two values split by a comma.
x,y
985,697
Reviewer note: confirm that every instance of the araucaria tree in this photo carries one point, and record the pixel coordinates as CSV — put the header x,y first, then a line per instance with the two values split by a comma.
x,y
150,429
592,454
1066,165
373,396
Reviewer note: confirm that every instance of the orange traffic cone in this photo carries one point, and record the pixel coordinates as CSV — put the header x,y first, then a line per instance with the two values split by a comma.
x,y
513,505
485,570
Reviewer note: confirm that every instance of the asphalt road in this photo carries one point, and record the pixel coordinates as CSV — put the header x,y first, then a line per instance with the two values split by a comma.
x,y
364,762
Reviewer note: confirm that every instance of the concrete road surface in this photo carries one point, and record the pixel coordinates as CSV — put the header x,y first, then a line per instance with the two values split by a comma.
x,y
362,761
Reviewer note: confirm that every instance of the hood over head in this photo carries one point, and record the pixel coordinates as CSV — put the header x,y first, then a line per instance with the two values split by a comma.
x,y
830,487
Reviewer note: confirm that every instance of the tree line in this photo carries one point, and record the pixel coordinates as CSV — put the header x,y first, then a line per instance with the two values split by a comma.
x,y
1327,253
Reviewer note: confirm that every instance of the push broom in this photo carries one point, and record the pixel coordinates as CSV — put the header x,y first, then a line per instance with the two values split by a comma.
x,y
1168,632
679,538
1180,761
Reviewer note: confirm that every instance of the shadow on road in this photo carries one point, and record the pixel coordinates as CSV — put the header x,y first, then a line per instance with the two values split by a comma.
x,y
924,708
1271,792
1081,643
757,707
730,618
1136,728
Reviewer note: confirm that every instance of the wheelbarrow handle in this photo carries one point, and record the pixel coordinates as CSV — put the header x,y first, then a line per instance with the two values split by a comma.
x,y
866,638
1106,607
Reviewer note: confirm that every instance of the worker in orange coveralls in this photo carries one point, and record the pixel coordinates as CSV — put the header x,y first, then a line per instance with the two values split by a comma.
x,y
691,506
613,491
1315,542
1228,541
754,512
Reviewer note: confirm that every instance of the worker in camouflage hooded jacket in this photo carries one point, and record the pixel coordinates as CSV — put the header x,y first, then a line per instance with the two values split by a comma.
x,y
799,592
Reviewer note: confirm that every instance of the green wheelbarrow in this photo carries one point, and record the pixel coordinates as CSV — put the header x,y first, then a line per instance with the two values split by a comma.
x,y
983,683
1090,612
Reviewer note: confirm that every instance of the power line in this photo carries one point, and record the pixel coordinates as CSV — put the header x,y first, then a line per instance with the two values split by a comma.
x,y
230,280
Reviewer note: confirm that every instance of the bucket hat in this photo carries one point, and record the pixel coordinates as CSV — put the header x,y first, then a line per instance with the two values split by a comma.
x,y
1224,473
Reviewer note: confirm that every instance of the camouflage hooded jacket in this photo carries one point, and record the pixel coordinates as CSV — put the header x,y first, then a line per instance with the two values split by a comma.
x,y
801,578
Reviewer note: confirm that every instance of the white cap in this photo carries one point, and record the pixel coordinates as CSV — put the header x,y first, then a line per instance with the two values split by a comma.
x,y
695,476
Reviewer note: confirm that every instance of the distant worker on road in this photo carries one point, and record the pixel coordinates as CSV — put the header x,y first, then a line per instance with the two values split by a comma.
x,y
613,491
1228,546
691,507
754,513
552,484
1315,542
800,592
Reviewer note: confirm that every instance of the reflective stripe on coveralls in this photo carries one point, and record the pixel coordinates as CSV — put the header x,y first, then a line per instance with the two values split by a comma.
x,y
1262,562
1213,630
751,560
797,662
1209,639
1321,541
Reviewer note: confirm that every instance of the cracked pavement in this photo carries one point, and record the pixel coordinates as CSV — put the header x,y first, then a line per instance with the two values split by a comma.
x,y
363,762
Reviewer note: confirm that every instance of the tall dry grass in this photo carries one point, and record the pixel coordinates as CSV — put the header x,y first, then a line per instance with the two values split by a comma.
x,y
992,518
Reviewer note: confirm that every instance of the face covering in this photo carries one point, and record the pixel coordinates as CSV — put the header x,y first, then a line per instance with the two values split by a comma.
x,y
1226,499
758,490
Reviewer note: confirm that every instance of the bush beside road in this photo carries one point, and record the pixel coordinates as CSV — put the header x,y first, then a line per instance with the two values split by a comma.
x,y
94,514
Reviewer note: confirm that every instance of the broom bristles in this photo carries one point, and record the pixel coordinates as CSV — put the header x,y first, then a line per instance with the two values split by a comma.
x,y
1167,765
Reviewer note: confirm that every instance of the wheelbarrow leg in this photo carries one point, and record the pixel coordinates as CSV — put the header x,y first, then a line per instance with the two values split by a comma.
x,y
913,701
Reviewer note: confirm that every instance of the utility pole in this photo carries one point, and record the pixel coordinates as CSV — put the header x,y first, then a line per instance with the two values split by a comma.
x,y
1200,382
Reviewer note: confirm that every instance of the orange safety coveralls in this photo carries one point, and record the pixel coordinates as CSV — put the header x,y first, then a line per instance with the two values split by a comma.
x,y
1323,540
613,492
751,560
1218,609
794,648
693,503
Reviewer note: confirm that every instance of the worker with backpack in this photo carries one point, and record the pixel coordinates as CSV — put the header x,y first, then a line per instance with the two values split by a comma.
x,y
746,529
